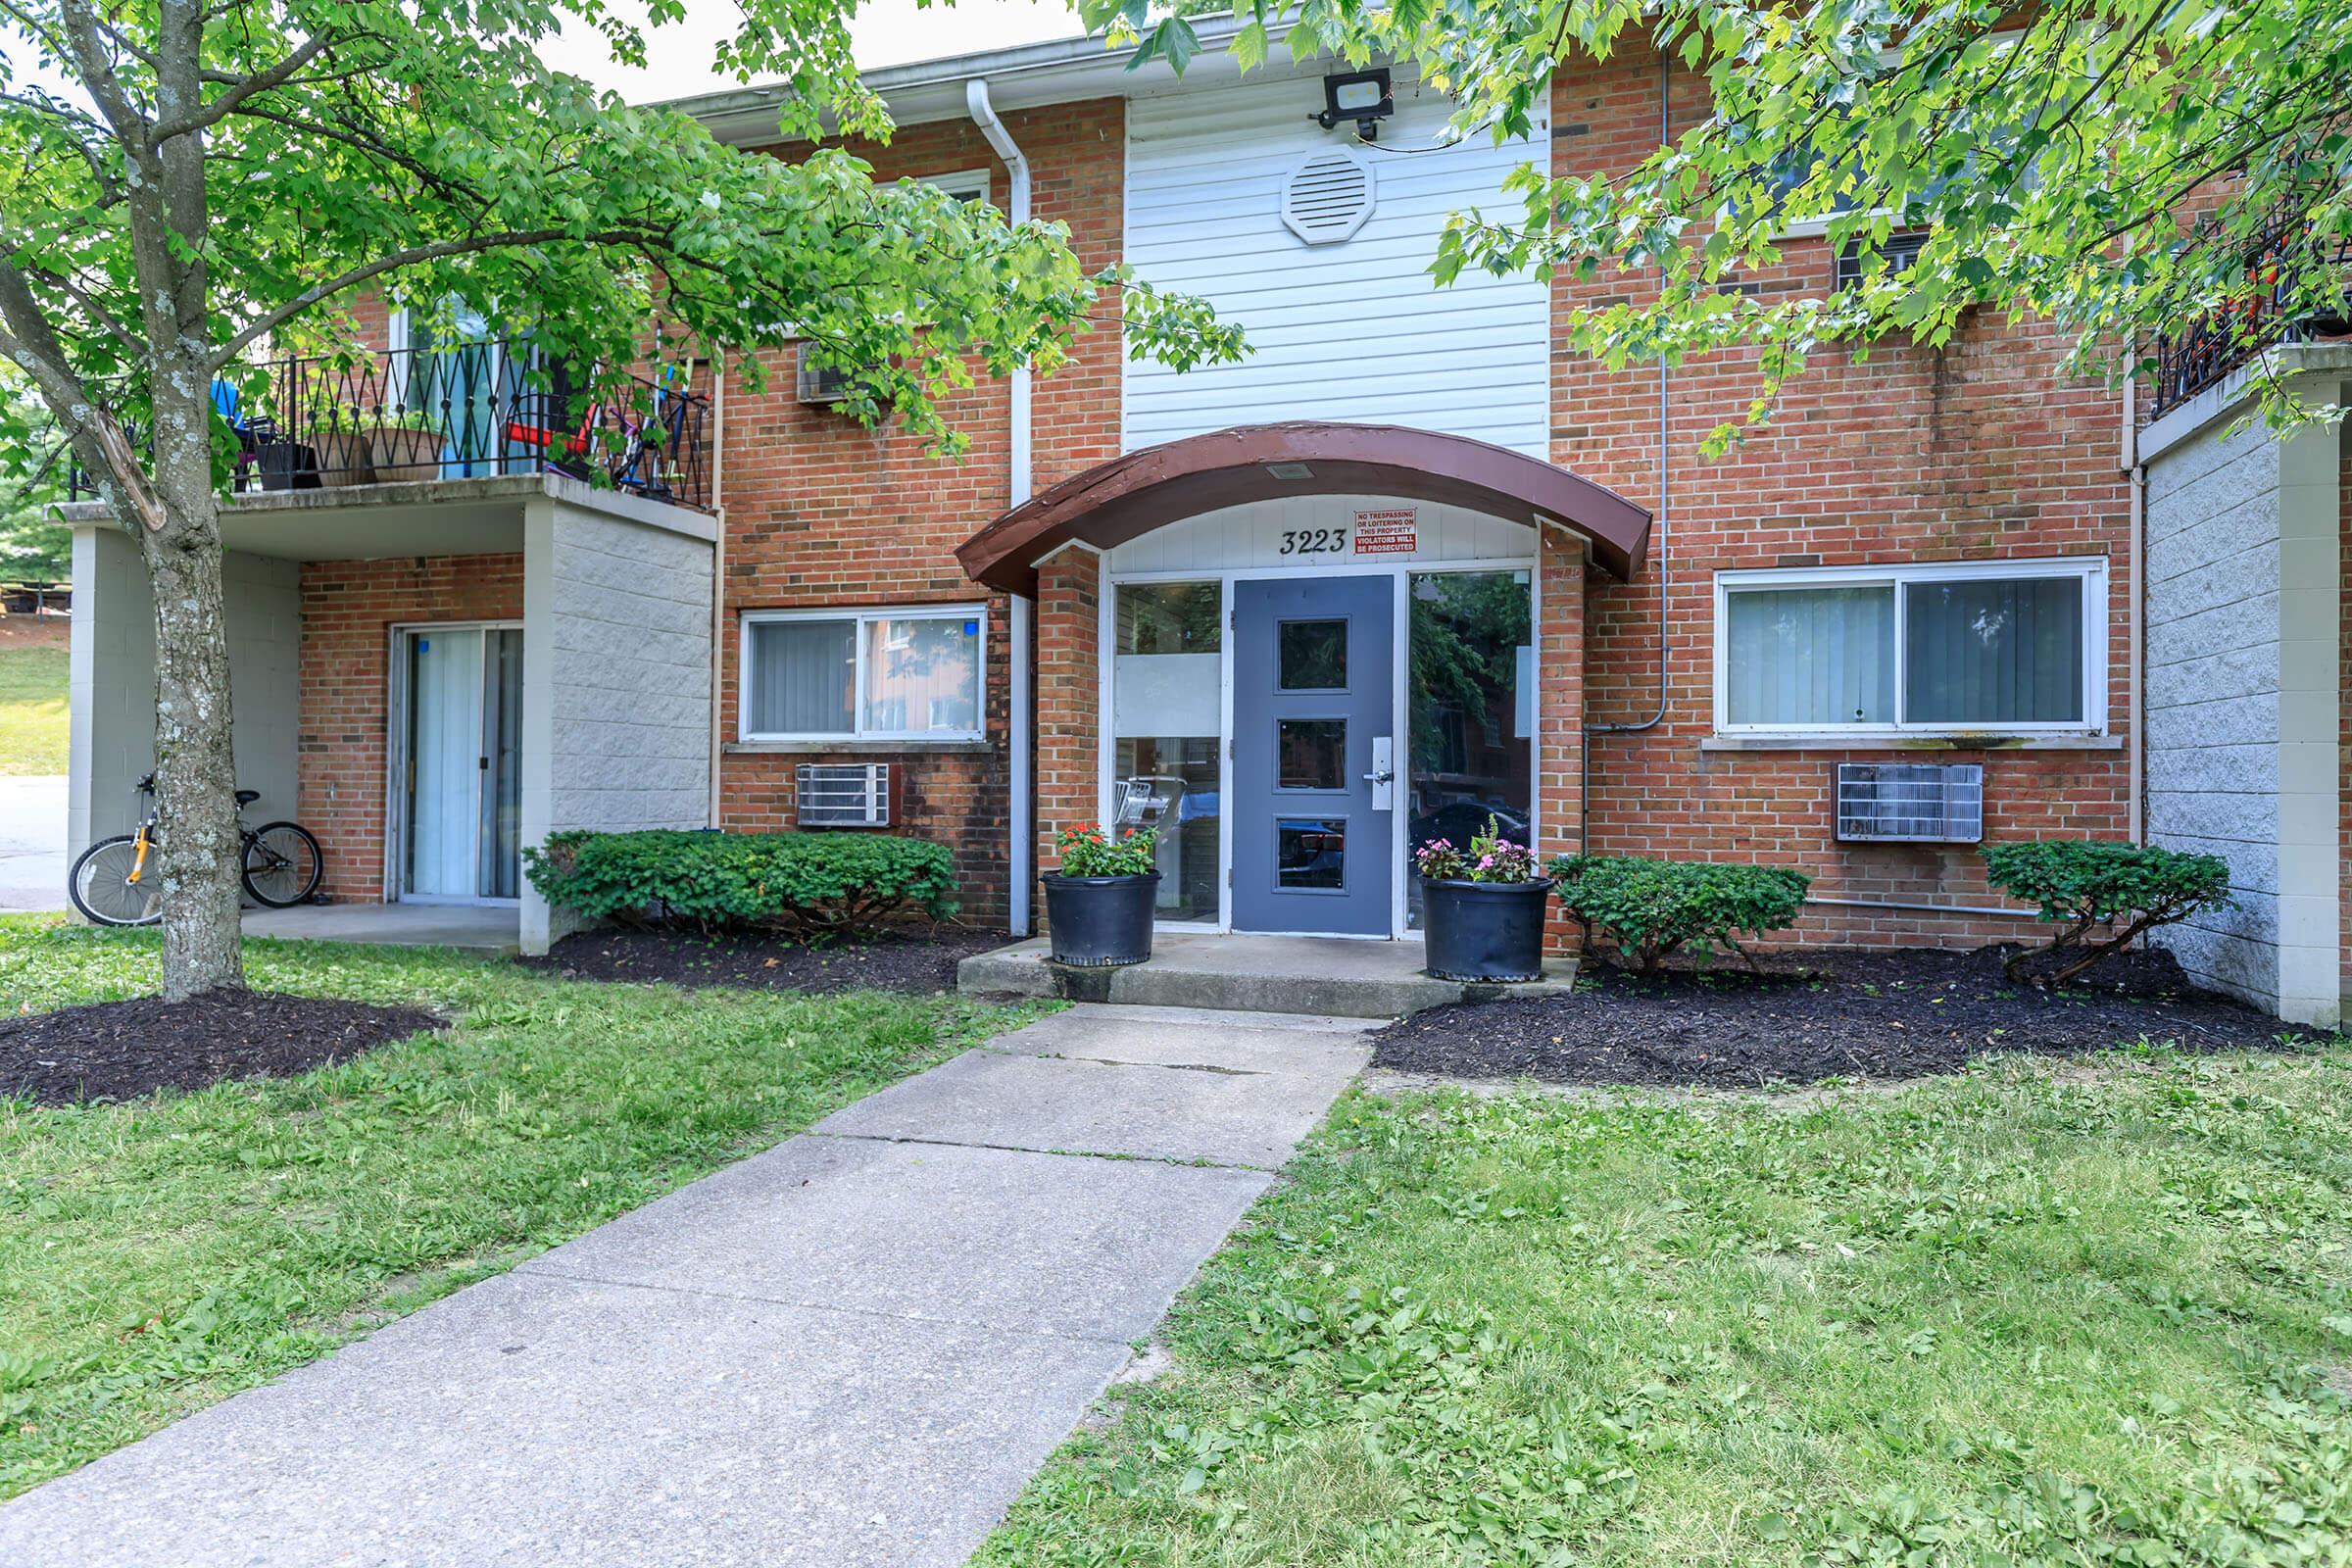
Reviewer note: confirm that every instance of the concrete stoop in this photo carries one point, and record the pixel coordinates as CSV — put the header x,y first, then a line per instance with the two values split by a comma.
x,y
1329,977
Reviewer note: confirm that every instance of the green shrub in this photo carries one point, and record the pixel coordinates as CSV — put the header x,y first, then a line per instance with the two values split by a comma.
x,y
809,885
2084,885
1651,910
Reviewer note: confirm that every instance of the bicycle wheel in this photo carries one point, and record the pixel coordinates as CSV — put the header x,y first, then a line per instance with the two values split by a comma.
x,y
282,865
103,891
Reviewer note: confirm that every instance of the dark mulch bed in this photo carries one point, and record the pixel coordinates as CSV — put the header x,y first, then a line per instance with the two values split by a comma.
x,y
121,1049
918,963
1846,1012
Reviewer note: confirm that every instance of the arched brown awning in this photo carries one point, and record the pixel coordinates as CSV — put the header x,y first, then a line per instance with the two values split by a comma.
x,y
1131,495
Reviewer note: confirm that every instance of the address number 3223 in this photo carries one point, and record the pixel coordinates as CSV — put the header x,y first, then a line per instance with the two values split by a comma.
x,y
1313,540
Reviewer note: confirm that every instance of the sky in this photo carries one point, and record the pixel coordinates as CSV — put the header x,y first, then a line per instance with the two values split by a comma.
x,y
886,32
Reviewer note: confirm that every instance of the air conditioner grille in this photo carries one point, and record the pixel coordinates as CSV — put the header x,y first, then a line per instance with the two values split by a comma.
x,y
1900,251
1911,802
843,794
820,383
1328,198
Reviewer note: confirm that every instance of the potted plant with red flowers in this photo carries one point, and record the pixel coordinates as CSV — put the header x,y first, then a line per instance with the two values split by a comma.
x,y
1099,904
1482,908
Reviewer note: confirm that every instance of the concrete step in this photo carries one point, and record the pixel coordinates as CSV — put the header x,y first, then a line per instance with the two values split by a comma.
x,y
1328,976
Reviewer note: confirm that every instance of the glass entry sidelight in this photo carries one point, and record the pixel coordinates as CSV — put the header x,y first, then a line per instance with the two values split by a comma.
x,y
463,741
1314,692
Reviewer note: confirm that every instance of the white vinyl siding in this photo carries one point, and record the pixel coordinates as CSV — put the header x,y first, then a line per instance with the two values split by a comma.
x,y
1353,331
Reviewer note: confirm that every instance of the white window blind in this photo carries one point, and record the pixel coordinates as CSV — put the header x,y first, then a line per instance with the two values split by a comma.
x,y
910,673
2007,647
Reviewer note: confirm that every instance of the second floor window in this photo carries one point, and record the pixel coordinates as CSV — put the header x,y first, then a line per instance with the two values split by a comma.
x,y
2014,647
910,673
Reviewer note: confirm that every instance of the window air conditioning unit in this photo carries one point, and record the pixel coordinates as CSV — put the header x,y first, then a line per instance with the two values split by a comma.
x,y
844,795
820,383
1910,803
1900,251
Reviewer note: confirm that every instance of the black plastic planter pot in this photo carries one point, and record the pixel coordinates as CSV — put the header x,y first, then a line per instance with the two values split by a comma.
x,y
1097,921
1483,930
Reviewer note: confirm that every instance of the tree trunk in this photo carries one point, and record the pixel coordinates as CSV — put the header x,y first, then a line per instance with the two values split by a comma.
x,y
195,765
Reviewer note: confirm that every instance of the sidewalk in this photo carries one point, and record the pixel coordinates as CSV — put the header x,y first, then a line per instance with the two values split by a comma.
x,y
32,842
850,1349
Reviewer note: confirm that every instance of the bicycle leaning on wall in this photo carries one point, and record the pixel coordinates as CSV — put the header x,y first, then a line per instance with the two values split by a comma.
x,y
115,884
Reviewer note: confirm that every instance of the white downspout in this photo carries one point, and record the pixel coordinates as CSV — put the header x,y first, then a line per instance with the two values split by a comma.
x,y
2136,622
718,575
1019,763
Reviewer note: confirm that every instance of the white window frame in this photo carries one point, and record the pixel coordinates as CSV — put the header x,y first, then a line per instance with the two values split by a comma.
x,y
861,617
2089,571
965,184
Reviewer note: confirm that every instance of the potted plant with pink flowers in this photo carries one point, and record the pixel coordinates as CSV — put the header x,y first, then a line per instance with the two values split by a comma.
x,y
1481,907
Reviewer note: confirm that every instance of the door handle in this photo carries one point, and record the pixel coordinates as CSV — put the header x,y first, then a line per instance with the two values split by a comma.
x,y
1383,773
1380,775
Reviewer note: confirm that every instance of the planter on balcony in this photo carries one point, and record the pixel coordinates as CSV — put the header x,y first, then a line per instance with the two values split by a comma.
x,y
343,459
407,453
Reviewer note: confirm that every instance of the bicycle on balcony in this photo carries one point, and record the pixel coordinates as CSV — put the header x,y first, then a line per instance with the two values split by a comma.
x,y
114,884
636,453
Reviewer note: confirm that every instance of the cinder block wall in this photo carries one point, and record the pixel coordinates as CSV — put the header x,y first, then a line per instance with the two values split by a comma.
x,y
627,639
2247,665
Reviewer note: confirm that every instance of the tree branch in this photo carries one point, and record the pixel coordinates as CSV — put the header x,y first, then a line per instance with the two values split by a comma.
x,y
414,256
98,312
28,338
244,88
83,27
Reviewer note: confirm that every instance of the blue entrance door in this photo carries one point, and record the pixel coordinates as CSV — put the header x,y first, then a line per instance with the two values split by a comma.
x,y
1313,705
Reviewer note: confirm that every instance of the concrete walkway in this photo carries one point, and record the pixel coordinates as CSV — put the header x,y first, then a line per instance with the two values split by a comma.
x,y
850,1349
474,927
32,843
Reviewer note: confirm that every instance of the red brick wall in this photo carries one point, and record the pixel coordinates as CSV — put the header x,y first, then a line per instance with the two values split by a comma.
x,y
1559,707
1975,451
348,610
1069,635
1979,450
820,511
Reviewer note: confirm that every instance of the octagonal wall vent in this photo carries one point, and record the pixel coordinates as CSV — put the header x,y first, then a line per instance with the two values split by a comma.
x,y
1328,198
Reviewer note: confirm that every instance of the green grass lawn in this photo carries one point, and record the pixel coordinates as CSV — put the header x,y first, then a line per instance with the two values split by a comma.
x,y
2029,1315
156,1257
33,708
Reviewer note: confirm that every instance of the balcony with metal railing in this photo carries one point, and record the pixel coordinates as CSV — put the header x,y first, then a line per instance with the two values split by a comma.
x,y
2205,353
464,410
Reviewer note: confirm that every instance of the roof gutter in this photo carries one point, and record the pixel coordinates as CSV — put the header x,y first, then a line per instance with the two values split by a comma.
x,y
1020,479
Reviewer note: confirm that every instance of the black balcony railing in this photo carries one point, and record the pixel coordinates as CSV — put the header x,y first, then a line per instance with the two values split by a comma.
x,y
2206,351
464,410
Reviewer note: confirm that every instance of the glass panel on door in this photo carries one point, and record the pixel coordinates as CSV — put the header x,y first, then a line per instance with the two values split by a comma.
x,y
463,736
1471,649
500,874
1168,723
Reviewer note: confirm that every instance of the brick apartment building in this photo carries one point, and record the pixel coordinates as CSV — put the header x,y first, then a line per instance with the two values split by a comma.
x,y
1411,564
